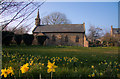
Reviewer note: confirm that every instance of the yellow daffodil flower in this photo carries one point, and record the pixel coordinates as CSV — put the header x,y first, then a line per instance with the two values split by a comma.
x,y
42,64
89,75
95,71
24,68
93,75
92,66
51,67
31,63
10,70
101,73
4,72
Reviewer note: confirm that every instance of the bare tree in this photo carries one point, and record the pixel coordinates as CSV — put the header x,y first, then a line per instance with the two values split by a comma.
x,y
106,37
55,18
18,11
17,14
115,41
94,33
9,6
21,30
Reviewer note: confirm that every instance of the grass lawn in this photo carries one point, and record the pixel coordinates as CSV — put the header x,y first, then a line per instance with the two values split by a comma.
x,y
72,61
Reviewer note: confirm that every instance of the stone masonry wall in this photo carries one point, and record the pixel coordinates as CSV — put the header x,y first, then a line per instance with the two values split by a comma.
x,y
60,39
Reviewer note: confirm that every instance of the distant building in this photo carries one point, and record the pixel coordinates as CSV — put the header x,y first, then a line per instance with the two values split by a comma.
x,y
115,32
61,34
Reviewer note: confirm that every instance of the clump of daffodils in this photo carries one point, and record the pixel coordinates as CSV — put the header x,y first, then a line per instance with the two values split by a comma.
x,y
6,72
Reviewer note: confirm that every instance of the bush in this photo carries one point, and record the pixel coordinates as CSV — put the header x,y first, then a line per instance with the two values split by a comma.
x,y
27,38
41,39
7,37
97,43
18,38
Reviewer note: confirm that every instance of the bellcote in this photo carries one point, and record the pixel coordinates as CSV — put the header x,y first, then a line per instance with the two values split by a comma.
x,y
37,19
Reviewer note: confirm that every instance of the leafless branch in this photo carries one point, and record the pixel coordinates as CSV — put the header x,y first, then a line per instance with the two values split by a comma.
x,y
17,14
28,16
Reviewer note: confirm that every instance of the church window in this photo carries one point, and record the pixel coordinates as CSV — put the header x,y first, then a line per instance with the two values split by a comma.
x,y
66,38
53,38
77,38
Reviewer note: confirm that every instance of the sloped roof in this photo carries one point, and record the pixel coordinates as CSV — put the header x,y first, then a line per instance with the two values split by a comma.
x,y
116,30
60,28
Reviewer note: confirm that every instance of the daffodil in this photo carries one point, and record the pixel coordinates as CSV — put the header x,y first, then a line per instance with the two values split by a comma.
x,y
93,75
39,63
42,64
92,66
89,75
51,67
101,73
117,69
31,63
24,68
95,71
4,72
10,71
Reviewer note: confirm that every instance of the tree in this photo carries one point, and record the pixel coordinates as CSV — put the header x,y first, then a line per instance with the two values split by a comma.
x,y
55,18
20,11
110,40
41,39
28,39
94,33
7,37
18,38
20,30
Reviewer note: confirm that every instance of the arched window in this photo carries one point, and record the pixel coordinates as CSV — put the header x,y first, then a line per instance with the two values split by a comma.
x,y
53,38
77,38
66,38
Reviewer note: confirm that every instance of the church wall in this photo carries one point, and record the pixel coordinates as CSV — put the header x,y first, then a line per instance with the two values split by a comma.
x,y
60,39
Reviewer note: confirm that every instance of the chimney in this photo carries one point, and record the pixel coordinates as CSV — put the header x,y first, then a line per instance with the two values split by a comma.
x,y
84,26
111,31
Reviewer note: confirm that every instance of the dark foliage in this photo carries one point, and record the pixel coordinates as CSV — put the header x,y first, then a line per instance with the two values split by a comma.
x,y
27,38
41,39
95,44
7,37
18,38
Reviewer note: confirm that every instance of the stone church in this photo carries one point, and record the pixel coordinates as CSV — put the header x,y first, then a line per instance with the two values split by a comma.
x,y
61,34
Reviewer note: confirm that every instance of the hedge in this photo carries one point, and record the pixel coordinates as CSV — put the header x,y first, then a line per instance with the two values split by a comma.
x,y
18,38
41,39
27,38
7,37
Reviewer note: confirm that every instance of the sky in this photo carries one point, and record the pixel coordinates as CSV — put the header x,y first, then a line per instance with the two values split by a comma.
x,y
71,0
98,14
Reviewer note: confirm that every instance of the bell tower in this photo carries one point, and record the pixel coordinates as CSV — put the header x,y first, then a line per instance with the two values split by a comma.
x,y
37,20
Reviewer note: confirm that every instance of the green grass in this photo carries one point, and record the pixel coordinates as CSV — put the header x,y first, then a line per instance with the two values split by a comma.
x,y
88,56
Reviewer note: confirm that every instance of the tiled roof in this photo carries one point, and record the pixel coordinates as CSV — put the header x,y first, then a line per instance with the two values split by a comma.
x,y
60,28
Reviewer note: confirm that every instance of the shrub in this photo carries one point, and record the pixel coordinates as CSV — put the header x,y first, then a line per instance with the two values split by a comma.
x,y
7,37
41,39
97,43
18,38
27,38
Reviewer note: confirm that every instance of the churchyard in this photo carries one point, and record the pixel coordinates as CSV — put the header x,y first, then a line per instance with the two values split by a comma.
x,y
31,62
